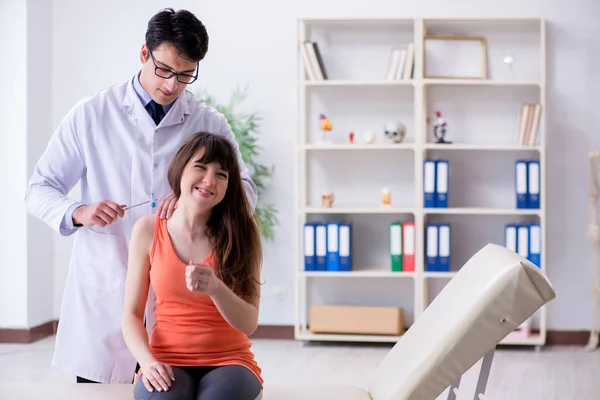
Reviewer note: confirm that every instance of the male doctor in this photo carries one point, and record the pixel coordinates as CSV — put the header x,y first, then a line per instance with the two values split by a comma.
x,y
118,144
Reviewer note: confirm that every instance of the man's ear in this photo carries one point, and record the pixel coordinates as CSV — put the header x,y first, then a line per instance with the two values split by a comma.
x,y
144,53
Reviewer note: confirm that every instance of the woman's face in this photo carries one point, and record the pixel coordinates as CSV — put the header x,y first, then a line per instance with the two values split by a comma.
x,y
204,184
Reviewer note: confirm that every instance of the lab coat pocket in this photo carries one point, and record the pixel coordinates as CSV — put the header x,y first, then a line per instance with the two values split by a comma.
x,y
101,260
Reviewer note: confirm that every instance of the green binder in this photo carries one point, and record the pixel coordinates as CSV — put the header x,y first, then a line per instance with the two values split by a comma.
x,y
396,246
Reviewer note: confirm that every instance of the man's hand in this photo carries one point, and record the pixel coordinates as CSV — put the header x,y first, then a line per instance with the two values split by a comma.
x,y
201,279
157,375
167,206
103,213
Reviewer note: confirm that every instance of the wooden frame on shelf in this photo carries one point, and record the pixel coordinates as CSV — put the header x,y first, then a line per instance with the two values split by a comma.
x,y
483,74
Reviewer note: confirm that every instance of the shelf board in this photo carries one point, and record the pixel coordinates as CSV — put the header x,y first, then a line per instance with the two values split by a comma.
x,y
339,146
357,274
440,274
336,337
483,147
479,82
532,340
358,210
332,82
483,211
357,19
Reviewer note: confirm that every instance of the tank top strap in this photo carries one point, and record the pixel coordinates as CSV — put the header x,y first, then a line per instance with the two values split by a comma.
x,y
160,235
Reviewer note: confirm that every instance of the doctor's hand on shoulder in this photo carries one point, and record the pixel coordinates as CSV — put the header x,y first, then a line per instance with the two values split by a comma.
x,y
167,206
101,214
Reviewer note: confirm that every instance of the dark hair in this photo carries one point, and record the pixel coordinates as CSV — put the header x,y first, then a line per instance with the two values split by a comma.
x,y
232,230
182,30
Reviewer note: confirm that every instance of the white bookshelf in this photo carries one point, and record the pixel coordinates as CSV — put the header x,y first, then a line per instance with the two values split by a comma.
x,y
356,95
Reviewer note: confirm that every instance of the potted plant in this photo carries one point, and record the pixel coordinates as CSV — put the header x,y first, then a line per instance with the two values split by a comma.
x,y
245,128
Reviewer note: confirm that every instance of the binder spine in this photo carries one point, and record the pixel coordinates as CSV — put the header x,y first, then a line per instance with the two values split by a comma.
x,y
441,185
396,257
333,248
432,246
533,183
345,235
429,179
310,263
521,184
444,241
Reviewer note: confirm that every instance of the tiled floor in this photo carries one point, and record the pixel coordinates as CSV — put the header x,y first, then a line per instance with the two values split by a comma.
x,y
565,373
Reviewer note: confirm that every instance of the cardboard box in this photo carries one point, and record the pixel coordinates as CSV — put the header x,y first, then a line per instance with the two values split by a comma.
x,y
356,320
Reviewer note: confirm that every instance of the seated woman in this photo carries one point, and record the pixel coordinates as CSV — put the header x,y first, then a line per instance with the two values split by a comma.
x,y
204,266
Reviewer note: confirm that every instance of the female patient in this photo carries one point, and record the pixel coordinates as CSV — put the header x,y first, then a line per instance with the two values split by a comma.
x,y
204,266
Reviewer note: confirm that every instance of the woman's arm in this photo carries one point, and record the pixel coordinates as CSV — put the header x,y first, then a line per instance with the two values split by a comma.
x,y
242,314
136,290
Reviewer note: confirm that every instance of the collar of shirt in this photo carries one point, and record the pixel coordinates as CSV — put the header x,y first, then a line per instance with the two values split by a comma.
x,y
143,95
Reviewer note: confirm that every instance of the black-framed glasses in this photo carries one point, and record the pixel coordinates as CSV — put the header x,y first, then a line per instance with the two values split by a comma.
x,y
168,74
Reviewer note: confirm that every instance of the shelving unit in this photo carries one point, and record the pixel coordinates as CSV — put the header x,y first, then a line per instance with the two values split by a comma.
x,y
481,115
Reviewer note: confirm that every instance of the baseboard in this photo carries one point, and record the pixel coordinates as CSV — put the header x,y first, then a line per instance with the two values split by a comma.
x,y
18,336
23,336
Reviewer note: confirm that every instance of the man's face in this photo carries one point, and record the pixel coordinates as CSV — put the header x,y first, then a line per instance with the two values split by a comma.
x,y
165,57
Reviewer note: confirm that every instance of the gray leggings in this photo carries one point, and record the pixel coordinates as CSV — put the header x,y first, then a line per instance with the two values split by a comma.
x,y
230,382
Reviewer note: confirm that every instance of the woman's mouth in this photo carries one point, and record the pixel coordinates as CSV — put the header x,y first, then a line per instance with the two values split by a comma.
x,y
204,192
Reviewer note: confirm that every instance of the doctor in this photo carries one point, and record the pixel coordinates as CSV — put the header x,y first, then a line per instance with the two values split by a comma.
x,y
118,144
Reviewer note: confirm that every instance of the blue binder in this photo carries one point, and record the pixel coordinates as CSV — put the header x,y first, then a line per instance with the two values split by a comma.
x,y
533,184
444,247
442,172
321,246
345,246
333,247
510,237
310,263
429,183
535,244
521,184
431,249
523,241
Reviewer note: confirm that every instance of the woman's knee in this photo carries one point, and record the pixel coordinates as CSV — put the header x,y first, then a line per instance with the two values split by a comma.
x,y
230,382
181,388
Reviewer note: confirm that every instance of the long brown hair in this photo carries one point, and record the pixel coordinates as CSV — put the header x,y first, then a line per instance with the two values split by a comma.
x,y
231,229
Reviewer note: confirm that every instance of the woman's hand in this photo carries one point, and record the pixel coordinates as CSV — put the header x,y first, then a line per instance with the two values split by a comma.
x,y
201,279
167,206
157,375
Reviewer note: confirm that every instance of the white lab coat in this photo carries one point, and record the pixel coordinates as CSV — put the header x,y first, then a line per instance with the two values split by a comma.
x,y
110,143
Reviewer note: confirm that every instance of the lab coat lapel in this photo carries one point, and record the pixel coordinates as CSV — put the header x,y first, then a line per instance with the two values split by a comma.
x,y
177,112
136,110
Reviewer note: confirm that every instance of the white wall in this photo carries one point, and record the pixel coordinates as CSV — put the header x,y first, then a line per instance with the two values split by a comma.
x,y
26,245
13,131
254,43
39,122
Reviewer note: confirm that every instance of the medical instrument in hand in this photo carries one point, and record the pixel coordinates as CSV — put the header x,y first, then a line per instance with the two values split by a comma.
x,y
136,205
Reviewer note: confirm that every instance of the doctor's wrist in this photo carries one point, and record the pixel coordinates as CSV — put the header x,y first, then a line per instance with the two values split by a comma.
x,y
77,216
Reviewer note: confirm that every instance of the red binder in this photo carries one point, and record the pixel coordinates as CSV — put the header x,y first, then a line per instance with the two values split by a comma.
x,y
408,246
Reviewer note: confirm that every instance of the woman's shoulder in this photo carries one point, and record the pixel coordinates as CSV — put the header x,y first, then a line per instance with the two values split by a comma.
x,y
143,229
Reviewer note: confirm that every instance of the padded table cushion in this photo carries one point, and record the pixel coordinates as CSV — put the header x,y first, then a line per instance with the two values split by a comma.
x,y
64,391
491,295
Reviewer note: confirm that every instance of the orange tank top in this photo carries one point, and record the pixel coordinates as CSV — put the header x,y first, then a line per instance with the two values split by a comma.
x,y
189,329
